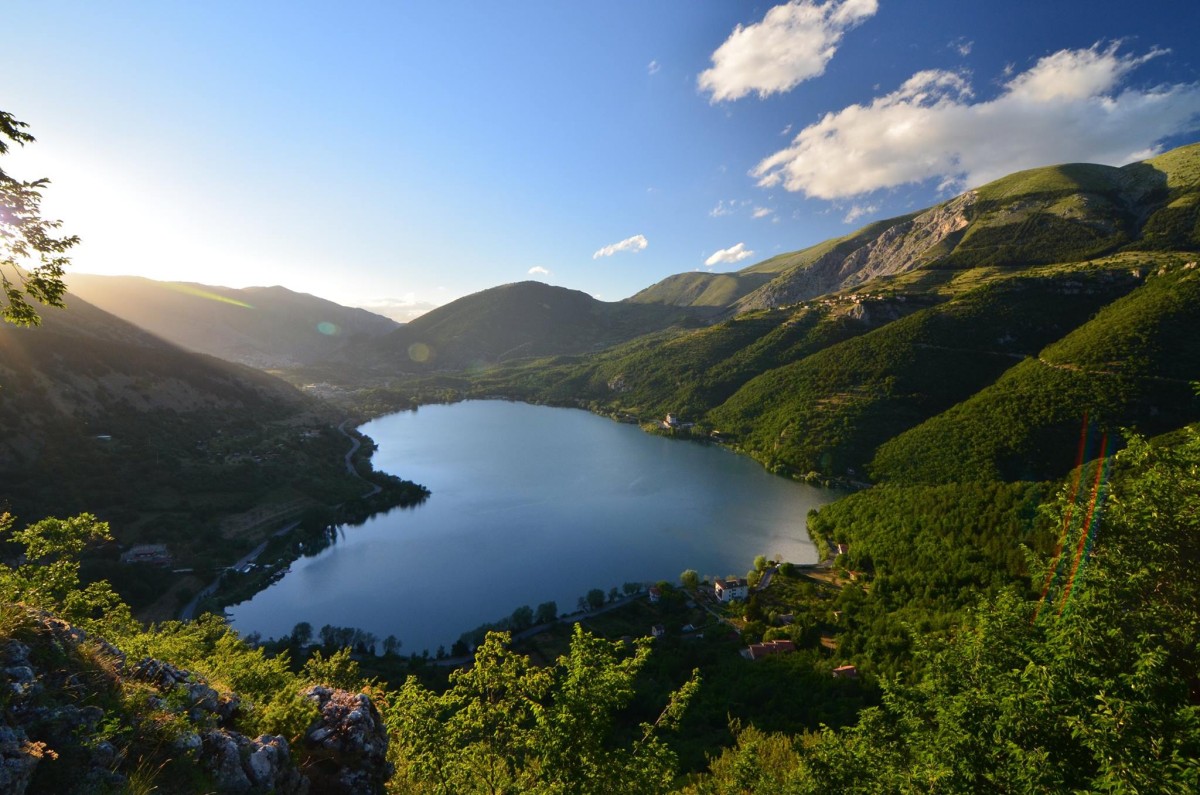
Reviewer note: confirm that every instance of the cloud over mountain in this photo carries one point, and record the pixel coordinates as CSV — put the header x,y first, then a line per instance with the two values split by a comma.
x,y
635,244
1069,106
735,253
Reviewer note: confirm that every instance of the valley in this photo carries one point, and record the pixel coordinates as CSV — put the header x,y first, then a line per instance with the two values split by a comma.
x,y
994,378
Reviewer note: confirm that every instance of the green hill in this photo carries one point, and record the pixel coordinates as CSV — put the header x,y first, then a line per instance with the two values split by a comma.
x,y
168,445
1065,213
511,322
1132,365
857,349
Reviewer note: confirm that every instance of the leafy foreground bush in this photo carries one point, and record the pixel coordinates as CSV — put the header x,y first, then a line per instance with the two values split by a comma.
x,y
503,725
1092,689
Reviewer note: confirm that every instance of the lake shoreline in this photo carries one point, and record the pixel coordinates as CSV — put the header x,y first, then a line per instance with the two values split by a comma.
x,y
635,487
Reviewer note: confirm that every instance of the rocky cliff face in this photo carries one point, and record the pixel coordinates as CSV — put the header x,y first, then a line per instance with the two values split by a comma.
x,y
70,703
900,248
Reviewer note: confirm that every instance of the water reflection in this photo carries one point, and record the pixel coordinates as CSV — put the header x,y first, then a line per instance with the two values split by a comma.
x,y
531,504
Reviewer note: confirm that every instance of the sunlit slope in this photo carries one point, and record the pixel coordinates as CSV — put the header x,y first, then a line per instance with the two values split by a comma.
x,y
1133,365
894,330
1055,214
725,290
265,327
699,289
829,411
1175,223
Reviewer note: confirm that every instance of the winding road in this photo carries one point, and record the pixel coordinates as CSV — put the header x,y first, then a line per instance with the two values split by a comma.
x,y
355,443
189,610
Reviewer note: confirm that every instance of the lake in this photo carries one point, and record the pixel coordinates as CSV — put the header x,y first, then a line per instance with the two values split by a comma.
x,y
531,504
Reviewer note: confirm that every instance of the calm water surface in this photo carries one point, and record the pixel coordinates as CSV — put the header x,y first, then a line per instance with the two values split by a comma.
x,y
532,504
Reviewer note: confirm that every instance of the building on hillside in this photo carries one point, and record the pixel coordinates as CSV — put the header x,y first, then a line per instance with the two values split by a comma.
x,y
655,594
153,554
756,651
845,672
842,548
731,590
658,630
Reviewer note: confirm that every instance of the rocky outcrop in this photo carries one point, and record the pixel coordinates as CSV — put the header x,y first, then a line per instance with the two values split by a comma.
x,y
348,745
17,760
239,764
54,676
201,700
899,248
34,723
907,245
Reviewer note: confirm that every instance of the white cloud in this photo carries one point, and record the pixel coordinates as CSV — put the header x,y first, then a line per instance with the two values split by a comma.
x,y
786,130
962,46
723,208
653,67
402,310
793,43
538,270
729,255
858,211
1067,107
635,244
761,212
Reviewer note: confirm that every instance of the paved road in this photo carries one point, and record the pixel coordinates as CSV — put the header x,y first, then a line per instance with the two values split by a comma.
x,y
349,458
189,610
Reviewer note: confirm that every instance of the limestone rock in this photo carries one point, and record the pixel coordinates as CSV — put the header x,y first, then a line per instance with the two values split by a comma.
x,y
349,744
17,763
897,249
239,764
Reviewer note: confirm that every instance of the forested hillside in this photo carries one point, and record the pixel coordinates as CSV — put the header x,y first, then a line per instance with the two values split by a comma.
x,y
98,415
963,342
1094,671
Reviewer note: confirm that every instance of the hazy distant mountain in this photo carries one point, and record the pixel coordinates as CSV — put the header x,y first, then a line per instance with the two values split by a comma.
x,y
518,321
263,327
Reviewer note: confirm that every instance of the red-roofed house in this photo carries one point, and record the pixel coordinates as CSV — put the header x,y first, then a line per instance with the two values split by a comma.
x,y
846,672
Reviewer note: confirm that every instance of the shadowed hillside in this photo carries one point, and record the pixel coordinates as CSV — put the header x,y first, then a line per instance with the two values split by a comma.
x,y
97,414
263,327
517,321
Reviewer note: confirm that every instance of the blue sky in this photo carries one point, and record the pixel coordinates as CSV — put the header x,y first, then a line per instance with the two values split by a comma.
x,y
400,155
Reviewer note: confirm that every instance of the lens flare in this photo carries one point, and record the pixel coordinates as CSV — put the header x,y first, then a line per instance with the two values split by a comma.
x,y
1086,528
419,352
1052,571
1088,532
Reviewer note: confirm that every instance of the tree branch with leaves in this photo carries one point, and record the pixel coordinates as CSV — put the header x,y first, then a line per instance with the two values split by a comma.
x,y
33,256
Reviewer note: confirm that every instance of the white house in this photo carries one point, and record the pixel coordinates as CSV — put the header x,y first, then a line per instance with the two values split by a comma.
x,y
731,590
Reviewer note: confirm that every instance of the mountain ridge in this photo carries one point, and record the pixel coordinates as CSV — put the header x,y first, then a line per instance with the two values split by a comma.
x,y
1096,208
262,327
